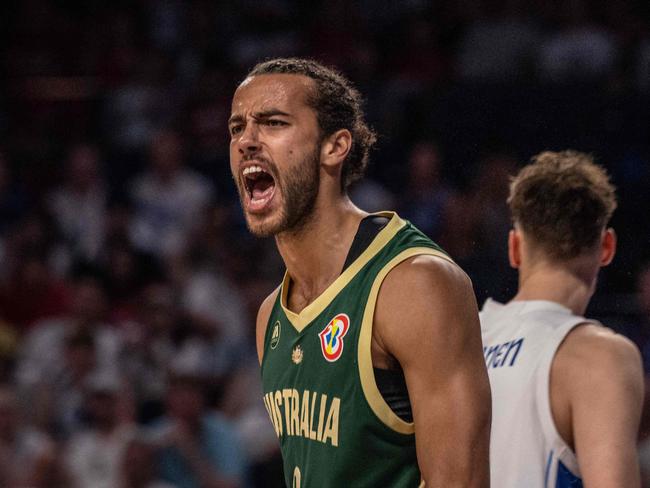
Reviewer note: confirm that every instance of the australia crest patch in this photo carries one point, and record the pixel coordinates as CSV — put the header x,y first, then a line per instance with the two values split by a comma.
x,y
331,337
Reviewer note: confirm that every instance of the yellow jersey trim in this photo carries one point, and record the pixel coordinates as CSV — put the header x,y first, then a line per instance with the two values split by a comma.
x,y
315,308
374,398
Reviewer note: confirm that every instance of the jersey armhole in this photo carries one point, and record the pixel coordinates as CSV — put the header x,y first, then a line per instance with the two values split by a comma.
x,y
371,392
560,450
269,330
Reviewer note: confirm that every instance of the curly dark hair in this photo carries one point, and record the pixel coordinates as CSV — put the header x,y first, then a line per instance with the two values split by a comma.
x,y
564,201
338,105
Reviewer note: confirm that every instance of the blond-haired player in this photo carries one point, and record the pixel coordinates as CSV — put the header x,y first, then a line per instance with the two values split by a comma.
x,y
566,391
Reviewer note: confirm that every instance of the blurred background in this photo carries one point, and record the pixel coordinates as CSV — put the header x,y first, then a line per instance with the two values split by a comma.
x,y
128,282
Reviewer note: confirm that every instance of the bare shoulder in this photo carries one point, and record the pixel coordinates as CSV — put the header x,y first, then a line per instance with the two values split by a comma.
x,y
263,315
597,347
430,294
593,358
426,319
421,274
597,396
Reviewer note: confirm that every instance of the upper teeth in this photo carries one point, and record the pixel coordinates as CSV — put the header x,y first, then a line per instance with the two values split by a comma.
x,y
252,169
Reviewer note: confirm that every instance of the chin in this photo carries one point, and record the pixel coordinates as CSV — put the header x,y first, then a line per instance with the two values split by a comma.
x,y
263,226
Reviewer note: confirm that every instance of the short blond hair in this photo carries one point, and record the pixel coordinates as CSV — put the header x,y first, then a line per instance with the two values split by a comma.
x,y
563,201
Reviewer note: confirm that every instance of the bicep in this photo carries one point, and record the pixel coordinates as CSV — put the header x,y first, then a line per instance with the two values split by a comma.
x,y
606,400
600,375
431,327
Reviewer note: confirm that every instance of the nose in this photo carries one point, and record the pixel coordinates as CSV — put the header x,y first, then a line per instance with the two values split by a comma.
x,y
249,141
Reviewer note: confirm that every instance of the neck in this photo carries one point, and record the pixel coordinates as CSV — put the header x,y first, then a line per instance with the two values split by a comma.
x,y
314,256
565,286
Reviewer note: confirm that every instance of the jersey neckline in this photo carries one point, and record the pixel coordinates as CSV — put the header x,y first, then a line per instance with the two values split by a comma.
x,y
523,306
300,320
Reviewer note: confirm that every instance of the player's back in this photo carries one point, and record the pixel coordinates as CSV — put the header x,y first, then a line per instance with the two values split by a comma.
x,y
520,340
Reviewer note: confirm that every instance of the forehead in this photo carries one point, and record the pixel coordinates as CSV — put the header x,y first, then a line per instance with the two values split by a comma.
x,y
287,92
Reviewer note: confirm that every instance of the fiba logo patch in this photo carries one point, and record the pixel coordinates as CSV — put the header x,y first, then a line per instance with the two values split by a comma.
x,y
331,337
275,335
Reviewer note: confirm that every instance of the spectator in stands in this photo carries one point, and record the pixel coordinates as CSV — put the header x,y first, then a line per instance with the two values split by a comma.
x,y
166,198
207,114
580,49
474,217
58,400
79,204
137,106
33,290
127,272
198,447
51,352
138,466
150,344
210,297
427,195
241,405
94,455
28,458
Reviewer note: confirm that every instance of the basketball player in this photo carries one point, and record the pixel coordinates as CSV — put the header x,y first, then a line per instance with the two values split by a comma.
x,y
370,348
566,391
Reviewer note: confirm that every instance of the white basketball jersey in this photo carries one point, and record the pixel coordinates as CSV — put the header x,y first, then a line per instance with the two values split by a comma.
x,y
520,339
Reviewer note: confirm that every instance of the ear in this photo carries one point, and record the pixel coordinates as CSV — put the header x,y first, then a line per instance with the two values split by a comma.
x,y
607,247
514,248
336,147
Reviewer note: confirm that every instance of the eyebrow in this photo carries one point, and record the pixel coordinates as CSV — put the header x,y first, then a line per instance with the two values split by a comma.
x,y
258,115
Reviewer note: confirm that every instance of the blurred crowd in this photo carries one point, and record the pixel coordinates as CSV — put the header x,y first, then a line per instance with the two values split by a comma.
x,y
128,282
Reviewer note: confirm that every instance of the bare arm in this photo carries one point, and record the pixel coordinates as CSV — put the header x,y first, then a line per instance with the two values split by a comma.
x,y
263,315
427,319
596,397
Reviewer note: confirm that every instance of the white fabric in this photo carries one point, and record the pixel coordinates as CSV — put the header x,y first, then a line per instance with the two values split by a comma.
x,y
166,212
93,460
520,340
585,52
82,218
42,354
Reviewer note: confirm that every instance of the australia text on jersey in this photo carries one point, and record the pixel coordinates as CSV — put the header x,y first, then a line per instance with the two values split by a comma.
x,y
304,415
498,355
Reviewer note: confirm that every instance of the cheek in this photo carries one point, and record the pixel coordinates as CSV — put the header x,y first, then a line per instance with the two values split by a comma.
x,y
234,154
233,165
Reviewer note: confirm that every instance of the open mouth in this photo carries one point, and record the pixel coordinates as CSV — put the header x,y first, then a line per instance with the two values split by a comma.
x,y
259,185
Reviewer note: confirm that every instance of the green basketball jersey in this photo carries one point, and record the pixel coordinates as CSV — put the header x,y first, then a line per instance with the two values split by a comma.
x,y
335,428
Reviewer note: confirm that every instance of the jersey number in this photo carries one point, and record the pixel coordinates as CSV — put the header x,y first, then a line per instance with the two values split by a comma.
x,y
296,478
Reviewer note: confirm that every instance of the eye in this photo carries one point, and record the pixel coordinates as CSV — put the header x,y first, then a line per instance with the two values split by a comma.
x,y
276,123
235,129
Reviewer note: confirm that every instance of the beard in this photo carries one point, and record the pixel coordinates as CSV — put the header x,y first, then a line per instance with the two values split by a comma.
x,y
299,190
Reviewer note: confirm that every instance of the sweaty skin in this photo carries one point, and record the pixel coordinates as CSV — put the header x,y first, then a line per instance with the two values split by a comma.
x,y
440,350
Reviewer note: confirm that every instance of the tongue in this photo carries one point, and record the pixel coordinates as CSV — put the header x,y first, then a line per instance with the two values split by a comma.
x,y
262,188
260,192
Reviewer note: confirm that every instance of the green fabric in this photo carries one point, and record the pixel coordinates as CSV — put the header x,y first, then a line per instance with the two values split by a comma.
x,y
326,427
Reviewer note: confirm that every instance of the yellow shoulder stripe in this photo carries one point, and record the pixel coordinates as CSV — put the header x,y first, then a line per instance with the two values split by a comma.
x,y
377,403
